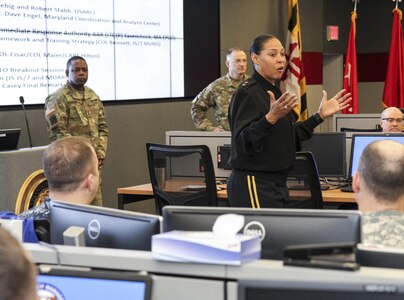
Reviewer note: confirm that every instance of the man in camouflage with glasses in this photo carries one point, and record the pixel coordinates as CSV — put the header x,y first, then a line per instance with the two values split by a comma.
x,y
217,95
76,110
391,120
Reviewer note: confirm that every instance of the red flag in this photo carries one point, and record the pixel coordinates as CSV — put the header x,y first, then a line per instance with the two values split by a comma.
x,y
393,94
293,76
350,70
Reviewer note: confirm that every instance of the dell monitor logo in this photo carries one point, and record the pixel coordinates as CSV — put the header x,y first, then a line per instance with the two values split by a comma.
x,y
255,228
94,229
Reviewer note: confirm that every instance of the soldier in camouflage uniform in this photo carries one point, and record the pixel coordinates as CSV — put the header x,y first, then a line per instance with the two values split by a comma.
x,y
217,95
383,228
76,110
379,188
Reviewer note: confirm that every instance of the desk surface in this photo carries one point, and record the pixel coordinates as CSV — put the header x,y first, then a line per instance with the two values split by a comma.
x,y
328,195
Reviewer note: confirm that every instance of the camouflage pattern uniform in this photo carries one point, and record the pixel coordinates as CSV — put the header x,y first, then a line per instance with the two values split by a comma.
x,y
40,212
70,112
216,95
383,228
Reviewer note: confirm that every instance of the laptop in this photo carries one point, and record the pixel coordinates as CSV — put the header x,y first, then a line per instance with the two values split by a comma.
x,y
81,283
9,139
359,142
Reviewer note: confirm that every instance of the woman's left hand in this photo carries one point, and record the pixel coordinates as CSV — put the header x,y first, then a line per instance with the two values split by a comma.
x,y
335,104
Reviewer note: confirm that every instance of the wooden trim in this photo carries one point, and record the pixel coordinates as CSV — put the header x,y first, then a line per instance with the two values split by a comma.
x,y
32,192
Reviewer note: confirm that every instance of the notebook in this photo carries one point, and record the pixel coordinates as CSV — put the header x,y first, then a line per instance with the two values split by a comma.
x,y
359,142
85,283
9,139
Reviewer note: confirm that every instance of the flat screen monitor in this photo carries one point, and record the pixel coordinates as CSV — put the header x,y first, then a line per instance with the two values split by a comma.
x,y
104,227
321,287
380,256
328,149
360,141
83,284
9,139
277,228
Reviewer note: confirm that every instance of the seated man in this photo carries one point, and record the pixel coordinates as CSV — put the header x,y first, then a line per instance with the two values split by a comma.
x,y
379,190
17,272
391,120
71,168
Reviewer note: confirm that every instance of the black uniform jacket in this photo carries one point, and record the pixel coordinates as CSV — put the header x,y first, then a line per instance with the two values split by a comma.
x,y
257,145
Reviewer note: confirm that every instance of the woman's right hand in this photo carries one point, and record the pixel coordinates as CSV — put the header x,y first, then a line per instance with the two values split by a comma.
x,y
281,107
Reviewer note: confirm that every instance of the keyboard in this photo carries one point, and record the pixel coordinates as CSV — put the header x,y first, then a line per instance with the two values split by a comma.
x,y
347,189
306,188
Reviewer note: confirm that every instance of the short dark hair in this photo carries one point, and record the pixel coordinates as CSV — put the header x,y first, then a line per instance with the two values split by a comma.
x,y
258,43
73,58
67,161
17,272
383,174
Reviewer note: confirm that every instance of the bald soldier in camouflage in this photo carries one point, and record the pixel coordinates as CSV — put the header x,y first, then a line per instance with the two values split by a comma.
x,y
76,110
379,189
217,95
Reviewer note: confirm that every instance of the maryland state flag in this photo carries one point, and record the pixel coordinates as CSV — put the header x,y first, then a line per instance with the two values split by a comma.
x,y
350,71
393,94
295,81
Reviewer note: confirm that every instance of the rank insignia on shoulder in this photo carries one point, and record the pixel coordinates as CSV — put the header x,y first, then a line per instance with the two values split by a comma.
x,y
51,116
245,82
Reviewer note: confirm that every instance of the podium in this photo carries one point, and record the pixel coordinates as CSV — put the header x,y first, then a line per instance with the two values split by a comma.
x,y
15,167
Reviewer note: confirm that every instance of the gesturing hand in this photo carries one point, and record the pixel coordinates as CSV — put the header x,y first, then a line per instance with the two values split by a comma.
x,y
335,104
281,107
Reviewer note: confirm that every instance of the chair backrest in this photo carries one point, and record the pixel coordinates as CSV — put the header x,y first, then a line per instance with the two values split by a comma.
x,y
181,175
347,129
304,183
33,192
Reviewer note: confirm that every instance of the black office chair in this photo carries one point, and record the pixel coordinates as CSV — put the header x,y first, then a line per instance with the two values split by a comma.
x,y
181,175
304,183
347,129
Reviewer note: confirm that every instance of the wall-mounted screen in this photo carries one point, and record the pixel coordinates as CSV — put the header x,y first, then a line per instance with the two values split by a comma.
x,y
134,49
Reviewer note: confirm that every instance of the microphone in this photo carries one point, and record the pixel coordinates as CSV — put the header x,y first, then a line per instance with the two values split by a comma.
x,y
26,120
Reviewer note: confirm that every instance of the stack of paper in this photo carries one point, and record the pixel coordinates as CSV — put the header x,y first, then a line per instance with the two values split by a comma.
x,y
205,247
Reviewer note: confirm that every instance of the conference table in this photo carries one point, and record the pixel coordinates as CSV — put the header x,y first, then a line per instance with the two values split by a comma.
x,y
142,192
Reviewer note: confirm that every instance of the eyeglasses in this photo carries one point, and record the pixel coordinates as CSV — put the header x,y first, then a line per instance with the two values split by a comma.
x,y
391,120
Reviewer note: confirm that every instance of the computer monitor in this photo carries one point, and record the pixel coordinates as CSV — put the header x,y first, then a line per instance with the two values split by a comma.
x,y
360,141
380,256
104,227
9,139
277,228
83,284
322,286
329,151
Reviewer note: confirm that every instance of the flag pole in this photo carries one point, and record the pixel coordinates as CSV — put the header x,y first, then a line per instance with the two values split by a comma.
x,y
350,79
356,2
397,3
